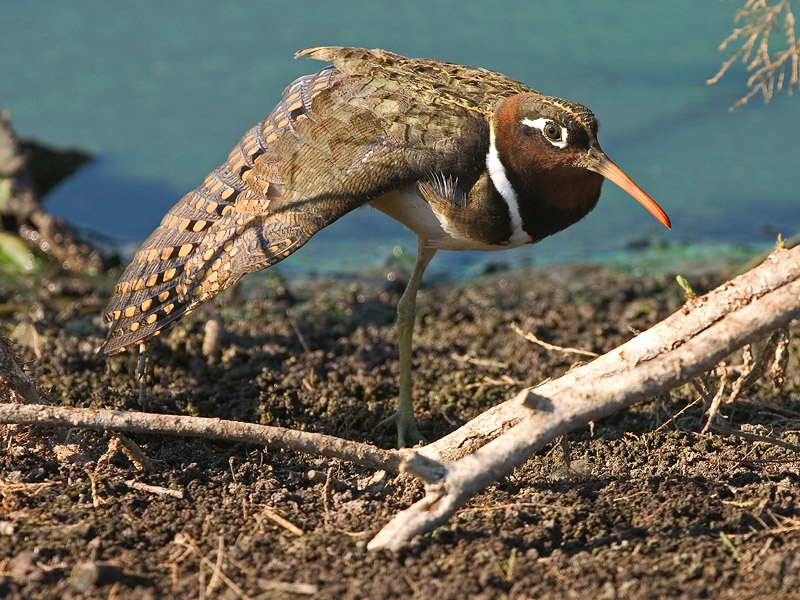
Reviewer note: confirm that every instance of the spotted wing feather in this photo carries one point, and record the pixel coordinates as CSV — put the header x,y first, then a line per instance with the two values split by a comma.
x,y
210,238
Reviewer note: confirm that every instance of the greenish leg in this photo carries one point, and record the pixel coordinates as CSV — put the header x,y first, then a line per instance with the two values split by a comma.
x,y
142,369
407,432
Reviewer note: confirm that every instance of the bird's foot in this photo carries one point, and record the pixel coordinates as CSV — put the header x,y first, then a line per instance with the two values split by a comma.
x,y
407,433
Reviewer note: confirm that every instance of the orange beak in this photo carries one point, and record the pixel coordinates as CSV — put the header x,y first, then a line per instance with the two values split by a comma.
x,y
600,163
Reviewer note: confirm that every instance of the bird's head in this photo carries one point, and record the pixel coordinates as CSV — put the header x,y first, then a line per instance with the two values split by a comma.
x,y
549,147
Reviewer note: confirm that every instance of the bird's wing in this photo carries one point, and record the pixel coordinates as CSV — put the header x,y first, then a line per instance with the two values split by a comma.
x,y
338,139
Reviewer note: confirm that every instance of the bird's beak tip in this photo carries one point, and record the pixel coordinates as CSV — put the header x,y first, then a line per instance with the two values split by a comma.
x,y
601,164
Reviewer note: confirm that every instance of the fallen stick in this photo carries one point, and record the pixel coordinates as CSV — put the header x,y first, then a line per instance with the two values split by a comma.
x,y
233,431
779,269
688,343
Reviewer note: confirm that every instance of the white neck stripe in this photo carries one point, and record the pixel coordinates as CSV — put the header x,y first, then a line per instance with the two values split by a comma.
x,y
497,173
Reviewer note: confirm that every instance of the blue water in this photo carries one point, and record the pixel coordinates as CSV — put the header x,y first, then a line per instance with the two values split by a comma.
x,y
160,92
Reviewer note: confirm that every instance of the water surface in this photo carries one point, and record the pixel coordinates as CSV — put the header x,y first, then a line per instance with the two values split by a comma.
x,y
160,92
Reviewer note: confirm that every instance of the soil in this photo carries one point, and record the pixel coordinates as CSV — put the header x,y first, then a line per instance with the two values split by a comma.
x,y
648,507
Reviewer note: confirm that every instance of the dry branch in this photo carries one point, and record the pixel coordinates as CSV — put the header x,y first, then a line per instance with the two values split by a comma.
x,y
780,268
218,429
769,68
690,342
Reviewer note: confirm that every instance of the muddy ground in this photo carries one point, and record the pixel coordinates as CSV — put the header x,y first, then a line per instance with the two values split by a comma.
x,y
650,508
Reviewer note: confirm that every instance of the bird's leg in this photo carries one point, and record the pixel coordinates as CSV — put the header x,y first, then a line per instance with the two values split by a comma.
x,y
143,366
407,432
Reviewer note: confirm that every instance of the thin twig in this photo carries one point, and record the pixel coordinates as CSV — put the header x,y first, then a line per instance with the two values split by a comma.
x,y
155,489
285,523
270,587
299,334
96,499
215,576
532,338
134,453
754,437
187,542
676,415
722,370
478,362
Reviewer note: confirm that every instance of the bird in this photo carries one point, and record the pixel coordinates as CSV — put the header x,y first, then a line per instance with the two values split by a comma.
x,y
464,157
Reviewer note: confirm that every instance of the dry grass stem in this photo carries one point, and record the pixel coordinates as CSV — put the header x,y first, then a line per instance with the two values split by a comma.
x,y
285,523
676,415
187,542
722,372
532,338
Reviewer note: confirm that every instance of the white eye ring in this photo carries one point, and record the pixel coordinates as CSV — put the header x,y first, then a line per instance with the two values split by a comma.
x,y
541,123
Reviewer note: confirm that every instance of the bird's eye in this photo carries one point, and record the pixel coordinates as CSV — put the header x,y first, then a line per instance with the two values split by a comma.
x,y
552,131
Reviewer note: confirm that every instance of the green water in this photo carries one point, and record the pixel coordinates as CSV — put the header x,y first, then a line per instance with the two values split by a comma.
x,y
161,91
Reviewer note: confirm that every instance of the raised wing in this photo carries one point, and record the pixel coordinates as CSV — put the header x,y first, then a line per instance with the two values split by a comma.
x,y
370,124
